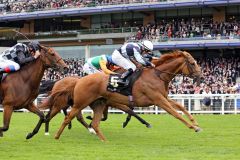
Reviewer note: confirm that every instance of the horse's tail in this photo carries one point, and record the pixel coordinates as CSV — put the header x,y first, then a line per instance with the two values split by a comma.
x,y
58,97
46,87
46,104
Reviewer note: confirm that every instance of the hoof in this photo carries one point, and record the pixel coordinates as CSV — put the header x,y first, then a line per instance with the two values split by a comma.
x,y
198,129
92,131
56,137
149,126
124,124
69,126
29,136
46,133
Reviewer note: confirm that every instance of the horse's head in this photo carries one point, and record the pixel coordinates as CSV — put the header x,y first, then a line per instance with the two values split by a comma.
x,y
52,59
191,67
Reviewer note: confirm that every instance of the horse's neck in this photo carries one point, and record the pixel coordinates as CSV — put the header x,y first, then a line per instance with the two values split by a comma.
x,y
173,67
33,72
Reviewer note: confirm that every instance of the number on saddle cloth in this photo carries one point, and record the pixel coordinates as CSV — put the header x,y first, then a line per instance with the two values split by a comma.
x,y
115,85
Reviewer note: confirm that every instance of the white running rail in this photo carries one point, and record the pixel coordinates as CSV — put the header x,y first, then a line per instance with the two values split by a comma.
x,y
194,103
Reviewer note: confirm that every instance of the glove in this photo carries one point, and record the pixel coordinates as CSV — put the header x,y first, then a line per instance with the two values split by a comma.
x,y
149,64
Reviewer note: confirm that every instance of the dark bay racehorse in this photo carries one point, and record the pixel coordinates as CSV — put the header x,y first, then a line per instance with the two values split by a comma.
x,y
20,89
150,89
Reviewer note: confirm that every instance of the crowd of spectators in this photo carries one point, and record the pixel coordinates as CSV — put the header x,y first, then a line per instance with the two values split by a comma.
x,y
16,6
219,76
187,28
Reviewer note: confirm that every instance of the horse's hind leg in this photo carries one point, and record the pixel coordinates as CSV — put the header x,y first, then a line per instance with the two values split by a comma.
x,y
50,115
65,113
74,111
7,114
105,114
34,109
81,120
98,111
181,108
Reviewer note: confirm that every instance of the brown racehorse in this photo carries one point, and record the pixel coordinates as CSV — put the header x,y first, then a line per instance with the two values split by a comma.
x,y
150,89
61,98
20,89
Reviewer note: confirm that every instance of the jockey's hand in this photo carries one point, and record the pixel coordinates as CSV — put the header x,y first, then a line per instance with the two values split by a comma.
x,y
152,65
37,54
149,64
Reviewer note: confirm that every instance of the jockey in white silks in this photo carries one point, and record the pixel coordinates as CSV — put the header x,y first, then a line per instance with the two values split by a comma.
x,y
131,53
13,58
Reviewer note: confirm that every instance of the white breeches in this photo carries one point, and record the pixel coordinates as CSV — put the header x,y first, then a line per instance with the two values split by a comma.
x,y
8,63
121,61
89,69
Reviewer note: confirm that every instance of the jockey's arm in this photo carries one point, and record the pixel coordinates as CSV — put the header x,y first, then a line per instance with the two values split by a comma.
x,y
140,59
103,65
23,59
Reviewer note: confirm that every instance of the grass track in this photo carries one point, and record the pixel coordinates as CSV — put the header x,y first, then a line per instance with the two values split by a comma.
x,y
168,139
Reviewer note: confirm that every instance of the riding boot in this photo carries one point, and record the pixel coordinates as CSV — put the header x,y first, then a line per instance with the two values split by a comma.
x,y
125,75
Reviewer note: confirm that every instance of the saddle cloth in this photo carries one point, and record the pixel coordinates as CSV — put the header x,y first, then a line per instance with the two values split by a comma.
x,y
114,84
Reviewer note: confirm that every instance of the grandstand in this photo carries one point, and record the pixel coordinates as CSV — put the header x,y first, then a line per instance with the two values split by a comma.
x,y
208,29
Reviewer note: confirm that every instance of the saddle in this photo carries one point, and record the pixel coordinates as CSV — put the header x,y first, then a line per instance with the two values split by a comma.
x,y
115,85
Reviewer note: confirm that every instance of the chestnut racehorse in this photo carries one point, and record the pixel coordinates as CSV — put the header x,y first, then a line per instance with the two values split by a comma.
x,y
151,88
20,89
61,98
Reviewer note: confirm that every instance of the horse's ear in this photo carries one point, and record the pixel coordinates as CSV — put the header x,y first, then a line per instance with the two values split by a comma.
x,y
44,48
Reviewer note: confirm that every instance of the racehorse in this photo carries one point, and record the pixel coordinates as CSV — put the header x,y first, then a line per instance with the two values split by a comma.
x,y
151,88
61,98
20,89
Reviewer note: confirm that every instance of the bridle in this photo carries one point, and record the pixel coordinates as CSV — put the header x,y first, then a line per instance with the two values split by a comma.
x,y
186,62
52,61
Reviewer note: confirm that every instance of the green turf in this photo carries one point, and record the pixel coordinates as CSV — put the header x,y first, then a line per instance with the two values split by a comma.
x,y
167,139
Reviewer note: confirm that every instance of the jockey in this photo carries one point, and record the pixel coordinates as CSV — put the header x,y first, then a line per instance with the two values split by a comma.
x,y
13,58
98,64
131,54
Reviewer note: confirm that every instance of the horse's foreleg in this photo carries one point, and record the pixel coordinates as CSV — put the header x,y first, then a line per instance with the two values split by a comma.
x,y
127,120
7,114
32,108
74,111
182,108
163,102
65,113
130,112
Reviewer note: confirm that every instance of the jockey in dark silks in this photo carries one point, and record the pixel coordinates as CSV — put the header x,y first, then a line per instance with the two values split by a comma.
x,y
131,54
13,58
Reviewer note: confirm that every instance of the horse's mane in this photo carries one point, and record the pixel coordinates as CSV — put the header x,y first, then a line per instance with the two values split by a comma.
x,y
168,56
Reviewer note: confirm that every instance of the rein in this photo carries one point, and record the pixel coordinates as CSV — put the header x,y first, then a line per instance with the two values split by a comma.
x,y
159,72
